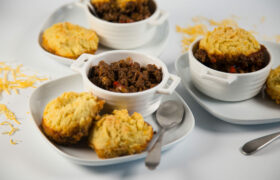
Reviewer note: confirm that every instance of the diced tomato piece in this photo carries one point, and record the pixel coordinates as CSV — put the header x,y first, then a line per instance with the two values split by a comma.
x,y
115,83
213,60
232,69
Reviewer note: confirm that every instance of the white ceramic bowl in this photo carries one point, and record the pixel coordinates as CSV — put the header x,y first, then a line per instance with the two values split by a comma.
x,y
226,86
127,35
144,102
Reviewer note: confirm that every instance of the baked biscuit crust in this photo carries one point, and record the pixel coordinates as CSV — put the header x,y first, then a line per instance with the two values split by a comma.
x,y
120,134
273,84
68,118
69,40
227,42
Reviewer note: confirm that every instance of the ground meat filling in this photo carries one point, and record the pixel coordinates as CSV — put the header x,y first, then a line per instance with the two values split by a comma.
x,y
131,13
125,76
238,64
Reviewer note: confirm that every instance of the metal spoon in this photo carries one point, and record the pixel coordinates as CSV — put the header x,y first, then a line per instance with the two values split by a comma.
x,y
259,143
168,115
91,7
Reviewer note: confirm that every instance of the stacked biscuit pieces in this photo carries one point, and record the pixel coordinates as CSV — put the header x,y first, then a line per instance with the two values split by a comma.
x,y
73,116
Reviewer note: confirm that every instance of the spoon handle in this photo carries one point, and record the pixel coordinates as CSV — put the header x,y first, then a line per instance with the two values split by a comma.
x,y
153,157
259,143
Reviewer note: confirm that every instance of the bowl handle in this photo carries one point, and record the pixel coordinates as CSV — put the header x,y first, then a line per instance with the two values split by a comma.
x,y
163,15
78,64
170,87
223,80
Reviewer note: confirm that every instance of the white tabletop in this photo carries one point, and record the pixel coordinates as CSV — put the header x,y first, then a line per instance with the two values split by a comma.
x,y
211,151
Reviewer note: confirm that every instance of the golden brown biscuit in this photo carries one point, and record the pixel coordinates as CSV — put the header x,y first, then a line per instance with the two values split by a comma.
x,y
273,84
229,41
69,40
67,118
120,134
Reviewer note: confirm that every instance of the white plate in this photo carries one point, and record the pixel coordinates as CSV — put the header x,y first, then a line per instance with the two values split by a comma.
x,y
258,110
74,13
83,154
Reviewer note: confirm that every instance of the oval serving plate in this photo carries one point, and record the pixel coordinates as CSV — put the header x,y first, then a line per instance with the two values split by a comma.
x,y
75,13
257,110
82,154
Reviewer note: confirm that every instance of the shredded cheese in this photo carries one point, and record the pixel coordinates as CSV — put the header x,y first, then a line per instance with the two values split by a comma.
x,y
20,80
13,129
9,114
11,80
191,33
13,142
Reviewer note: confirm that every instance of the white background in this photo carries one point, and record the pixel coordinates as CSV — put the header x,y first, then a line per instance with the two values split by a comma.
x,y
211,151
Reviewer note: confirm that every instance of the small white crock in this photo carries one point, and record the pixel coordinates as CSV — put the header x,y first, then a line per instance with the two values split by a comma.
x,y
127,35
144,102
225,86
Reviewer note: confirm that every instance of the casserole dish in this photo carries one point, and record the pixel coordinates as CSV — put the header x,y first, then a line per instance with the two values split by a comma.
x,y
144,102
127,35
225,86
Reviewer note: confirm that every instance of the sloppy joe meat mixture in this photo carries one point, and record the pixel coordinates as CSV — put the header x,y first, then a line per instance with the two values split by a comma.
x,y
125,76
238,64
132,12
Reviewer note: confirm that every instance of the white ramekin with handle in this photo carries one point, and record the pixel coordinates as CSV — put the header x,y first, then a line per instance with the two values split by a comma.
x,y
127,35
225,86
144,102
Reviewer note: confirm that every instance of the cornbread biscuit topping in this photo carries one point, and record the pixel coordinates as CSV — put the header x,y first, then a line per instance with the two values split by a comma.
x,y
232,50
67,118
119,134
273,84
229,42
69,40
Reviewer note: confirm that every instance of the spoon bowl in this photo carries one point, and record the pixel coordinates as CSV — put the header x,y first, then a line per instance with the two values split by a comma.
x,y
169,114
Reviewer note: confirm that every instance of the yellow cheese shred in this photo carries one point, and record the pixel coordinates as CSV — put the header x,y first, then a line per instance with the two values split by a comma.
x,y
9,114
13,142
13,129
